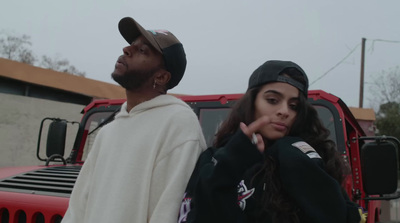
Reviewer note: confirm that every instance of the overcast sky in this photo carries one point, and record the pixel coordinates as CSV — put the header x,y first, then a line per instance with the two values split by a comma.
x,y
224,40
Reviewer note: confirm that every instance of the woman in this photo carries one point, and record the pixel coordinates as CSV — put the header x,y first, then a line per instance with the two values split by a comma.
x,y
272,160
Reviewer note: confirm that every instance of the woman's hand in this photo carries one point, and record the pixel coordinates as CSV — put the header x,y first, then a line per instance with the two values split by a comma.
x,y
251,132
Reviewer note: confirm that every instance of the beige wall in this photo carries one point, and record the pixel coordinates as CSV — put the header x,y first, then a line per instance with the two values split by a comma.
x,y
20,119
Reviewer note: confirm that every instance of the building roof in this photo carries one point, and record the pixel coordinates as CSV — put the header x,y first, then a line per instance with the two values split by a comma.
x,y
59,80
94,88
367,114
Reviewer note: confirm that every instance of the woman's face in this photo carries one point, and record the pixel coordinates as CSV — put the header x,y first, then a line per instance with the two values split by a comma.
x,y
278,101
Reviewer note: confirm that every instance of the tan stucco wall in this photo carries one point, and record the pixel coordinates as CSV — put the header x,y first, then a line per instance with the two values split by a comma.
x,y
20,119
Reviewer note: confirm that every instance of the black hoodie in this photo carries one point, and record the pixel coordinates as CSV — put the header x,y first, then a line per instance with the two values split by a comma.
x,y
221,187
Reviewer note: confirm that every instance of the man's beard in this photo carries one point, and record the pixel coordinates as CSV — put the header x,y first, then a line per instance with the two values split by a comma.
x,y
133,79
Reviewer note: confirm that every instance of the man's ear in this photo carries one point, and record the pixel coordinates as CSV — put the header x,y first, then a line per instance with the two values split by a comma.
x,y
162,77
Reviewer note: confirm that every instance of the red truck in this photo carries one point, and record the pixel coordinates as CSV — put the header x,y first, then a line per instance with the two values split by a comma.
x,y
40,194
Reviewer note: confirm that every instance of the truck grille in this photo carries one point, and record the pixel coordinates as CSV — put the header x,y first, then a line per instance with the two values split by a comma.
x,y
53,181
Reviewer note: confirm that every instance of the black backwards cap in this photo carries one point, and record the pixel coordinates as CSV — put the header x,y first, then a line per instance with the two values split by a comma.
x,y
271,71
163,41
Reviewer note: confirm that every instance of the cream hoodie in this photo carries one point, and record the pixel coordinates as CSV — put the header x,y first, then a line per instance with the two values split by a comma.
x,y
139,166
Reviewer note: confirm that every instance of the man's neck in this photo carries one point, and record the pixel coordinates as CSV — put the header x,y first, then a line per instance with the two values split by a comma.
x,y
134,98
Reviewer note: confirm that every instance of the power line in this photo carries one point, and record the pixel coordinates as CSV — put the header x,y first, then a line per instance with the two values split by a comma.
x,y
341,61
382,40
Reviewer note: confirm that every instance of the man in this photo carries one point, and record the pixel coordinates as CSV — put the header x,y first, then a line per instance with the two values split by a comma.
x,y
141,162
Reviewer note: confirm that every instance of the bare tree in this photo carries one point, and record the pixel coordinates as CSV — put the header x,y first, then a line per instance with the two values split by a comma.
x,y
61,65
386,91
16,48
386,87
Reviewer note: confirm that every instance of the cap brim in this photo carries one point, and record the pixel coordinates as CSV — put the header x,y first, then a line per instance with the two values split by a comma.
x,y
131,30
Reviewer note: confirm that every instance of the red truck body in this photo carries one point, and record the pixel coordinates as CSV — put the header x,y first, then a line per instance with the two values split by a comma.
x,y
40,194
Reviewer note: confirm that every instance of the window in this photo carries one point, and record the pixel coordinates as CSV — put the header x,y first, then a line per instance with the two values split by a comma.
x,y
327,120
211,120
91,128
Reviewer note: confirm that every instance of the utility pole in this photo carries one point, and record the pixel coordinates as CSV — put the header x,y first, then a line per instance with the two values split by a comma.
x,y
362,72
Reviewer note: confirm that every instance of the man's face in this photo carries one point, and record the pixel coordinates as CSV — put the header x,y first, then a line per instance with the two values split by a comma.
x,y
134,69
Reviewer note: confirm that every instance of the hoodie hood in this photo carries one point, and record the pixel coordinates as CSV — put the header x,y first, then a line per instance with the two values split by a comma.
x,y
159,101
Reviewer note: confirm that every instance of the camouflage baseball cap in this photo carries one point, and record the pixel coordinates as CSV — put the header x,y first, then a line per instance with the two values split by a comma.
x,y
163,41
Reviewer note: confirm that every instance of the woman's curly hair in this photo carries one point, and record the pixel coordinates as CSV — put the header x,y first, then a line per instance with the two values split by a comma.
x,y
307,126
